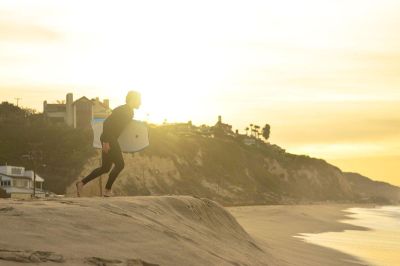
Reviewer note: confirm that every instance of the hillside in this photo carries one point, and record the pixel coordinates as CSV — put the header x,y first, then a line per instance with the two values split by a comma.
x,y
370,190
221,168
62,151
132,231
226,170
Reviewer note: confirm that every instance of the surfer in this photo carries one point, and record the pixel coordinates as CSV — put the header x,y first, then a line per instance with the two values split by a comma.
x,y
111,151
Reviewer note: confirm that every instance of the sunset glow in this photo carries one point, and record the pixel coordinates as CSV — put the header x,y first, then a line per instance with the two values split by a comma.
x,y
324,74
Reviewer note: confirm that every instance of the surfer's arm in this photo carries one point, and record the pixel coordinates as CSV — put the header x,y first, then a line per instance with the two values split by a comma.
x,y
114,124
110,126
107,130
105,147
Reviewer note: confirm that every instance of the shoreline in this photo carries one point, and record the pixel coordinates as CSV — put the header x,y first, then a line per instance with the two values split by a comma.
x,y
275,228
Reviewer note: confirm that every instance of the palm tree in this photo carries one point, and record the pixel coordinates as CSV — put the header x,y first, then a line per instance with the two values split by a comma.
x,y
247,129
251,129
256,130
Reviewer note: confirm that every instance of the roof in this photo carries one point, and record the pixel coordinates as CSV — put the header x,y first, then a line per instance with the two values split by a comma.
x,y
17,176
101,103
82,98
38,178
218,124
30,174
55,107
56,104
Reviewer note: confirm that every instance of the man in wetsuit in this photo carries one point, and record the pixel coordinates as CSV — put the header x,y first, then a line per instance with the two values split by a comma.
x,y
111,151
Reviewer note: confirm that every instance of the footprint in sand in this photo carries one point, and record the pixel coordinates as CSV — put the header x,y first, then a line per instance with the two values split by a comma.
x,y
114,262
28,256
10,210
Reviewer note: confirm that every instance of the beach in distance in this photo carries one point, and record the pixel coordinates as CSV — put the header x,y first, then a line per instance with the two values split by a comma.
x,y
379,245
275,228
325,234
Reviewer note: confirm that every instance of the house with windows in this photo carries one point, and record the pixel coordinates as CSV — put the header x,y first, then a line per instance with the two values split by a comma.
x,y
16,182
76,114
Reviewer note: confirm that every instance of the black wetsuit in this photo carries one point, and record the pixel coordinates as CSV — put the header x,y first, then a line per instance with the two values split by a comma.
x,y
112,128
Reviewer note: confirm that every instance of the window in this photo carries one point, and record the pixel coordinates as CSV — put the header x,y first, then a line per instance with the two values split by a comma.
x,y
20,183
16,171
5,183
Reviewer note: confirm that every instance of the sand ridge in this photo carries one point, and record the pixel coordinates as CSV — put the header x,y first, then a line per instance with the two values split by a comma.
x,y
150,230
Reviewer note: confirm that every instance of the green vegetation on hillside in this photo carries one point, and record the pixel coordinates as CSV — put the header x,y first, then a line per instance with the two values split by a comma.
x,y
247,171
64,150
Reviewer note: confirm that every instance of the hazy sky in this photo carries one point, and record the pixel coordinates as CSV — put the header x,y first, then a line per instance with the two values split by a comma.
x,y
324,74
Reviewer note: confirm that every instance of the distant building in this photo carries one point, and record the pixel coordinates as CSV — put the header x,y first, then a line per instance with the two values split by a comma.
x,y
18,183
55,112
82,110
205,130
101,109
249,141
225,129
180,128
77,114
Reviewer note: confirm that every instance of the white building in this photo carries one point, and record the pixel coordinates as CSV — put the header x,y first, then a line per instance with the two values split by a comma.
x,y
249,141
18,183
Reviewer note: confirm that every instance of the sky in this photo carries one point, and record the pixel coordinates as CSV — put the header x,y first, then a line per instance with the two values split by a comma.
x,y
324,74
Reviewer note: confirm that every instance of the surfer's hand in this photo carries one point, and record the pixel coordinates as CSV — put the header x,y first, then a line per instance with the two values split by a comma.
x,y
106,147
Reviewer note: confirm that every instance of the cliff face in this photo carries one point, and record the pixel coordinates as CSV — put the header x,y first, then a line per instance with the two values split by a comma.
x,y
225,170
370,190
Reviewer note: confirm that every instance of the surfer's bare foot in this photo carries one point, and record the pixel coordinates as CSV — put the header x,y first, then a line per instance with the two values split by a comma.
x,y
79,186
108,193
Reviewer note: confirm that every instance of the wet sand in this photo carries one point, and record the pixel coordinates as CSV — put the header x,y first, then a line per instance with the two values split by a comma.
x,y
273,228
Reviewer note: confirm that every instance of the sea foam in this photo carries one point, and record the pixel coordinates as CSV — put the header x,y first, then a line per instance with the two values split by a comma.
x,y
378,245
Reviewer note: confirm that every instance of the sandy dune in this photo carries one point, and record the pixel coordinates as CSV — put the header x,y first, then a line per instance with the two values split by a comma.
x,y
153,230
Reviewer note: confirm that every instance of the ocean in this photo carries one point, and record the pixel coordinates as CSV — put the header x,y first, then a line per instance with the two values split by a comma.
x,y
379,245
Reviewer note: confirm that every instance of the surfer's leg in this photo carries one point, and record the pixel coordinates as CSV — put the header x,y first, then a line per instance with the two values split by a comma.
x,y
119,164
105,167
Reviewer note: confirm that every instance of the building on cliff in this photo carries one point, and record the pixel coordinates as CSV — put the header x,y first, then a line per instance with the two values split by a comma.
x,y
249,141
77,114
222,129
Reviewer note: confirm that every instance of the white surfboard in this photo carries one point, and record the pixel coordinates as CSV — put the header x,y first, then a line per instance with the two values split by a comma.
x,y
135,136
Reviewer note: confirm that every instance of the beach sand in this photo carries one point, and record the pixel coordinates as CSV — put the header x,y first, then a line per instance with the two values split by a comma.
x,y
164,230
273,228
151,230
